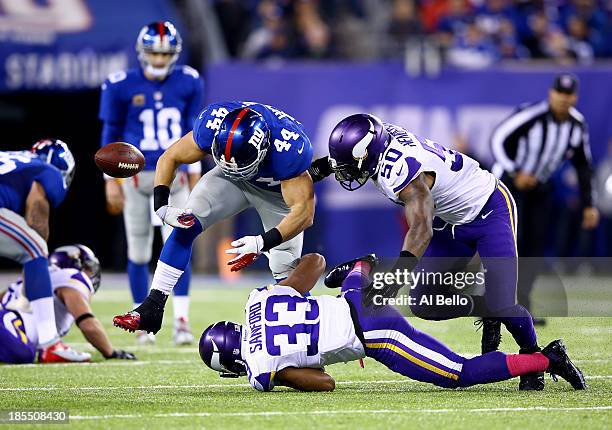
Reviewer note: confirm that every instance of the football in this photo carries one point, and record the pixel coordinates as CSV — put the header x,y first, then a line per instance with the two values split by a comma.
x,y
120,160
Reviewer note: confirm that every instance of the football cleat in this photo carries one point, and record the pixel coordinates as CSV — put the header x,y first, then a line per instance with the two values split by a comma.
x,y
491,334
561,365
60,353
182,333
146,317
531,381
337,275
143,338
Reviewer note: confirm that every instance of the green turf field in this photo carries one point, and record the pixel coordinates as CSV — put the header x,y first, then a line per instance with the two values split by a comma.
x,y
171,388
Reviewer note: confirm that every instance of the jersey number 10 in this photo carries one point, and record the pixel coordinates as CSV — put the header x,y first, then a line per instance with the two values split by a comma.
x,y
168,122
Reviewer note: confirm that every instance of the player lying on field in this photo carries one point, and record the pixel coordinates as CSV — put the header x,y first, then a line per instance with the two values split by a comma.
x,y
454,208
288,338
75,277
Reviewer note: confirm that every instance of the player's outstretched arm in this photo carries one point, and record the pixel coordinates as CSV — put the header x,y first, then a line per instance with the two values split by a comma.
x,y
419,209
89,325
305,276
305,379
183,151
37,210
298,193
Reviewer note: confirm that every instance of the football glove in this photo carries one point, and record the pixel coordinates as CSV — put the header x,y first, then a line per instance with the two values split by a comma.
x,y
248,249
176,217
320,169
121,355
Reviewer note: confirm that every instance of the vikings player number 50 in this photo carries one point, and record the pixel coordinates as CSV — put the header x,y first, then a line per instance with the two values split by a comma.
x,y
274,332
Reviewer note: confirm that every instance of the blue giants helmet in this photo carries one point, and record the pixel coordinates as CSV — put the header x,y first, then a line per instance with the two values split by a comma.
x,y
78,257
241,143
220,348
158,37
56,152
355,147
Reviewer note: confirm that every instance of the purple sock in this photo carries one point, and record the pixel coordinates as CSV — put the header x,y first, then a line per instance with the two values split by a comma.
x,y
490,367
519,323
357,278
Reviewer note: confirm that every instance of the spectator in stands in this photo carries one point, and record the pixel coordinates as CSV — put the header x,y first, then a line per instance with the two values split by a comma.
x,y
313,35
404,27
473,49
578,41
272,39
453,22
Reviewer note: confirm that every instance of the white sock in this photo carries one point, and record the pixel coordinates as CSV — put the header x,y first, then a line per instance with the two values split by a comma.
x,y
181,307
44,316
165,277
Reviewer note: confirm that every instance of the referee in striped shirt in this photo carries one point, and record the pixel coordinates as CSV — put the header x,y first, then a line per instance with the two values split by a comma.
x,y
528,148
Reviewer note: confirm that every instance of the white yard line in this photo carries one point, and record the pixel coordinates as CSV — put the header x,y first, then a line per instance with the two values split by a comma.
x,y
342,412
170,387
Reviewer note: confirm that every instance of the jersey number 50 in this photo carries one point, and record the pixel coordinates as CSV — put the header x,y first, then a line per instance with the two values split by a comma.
x,y
168,122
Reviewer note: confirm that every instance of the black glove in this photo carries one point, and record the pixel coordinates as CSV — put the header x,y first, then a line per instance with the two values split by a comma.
x,y
121,355
320,169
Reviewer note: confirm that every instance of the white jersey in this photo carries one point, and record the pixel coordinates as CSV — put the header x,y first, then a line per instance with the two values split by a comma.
x,y
285,329
15,299
461,187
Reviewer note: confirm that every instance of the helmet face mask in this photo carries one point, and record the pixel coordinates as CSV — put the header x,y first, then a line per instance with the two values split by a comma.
x,y
241,144
220,349
349,176
56,153
158,38
355,147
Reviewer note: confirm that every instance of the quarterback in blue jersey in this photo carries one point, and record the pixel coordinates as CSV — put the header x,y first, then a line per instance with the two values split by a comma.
x,y
31,183
151,107
262,156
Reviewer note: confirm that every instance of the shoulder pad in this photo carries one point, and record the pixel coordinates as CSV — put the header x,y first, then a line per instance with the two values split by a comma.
x,y
188,70
115,77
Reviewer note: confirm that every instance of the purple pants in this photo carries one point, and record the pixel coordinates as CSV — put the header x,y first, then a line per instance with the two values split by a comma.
x,y
392,341
15,347
493,235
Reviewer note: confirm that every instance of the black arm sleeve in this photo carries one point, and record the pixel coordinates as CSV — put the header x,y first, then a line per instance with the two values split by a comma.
x,y
581,160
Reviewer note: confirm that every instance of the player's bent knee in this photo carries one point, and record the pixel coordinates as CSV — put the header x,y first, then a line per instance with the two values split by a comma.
x,y
140,256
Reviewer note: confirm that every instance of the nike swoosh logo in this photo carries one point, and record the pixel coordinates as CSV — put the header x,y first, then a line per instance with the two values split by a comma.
x,y
401,170
301,149
486,215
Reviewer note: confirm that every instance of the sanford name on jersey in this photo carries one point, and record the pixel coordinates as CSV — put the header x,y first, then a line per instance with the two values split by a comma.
x,y
285,329
290,151
461,188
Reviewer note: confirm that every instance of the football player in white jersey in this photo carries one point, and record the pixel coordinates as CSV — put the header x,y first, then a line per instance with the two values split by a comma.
x,y
454,209
75,277
288,338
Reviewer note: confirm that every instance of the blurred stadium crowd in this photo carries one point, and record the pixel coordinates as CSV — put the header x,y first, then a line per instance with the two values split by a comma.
x,y
466,33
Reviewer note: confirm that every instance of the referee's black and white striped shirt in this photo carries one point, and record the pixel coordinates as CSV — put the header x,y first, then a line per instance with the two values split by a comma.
x,y
532,141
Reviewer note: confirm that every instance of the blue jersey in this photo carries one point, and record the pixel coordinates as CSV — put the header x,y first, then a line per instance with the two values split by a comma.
x,y
290,152
18,171
150,114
